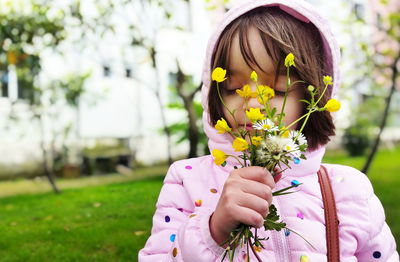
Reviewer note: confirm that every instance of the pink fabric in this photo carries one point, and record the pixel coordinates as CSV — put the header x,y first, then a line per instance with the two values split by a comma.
x,y
192,188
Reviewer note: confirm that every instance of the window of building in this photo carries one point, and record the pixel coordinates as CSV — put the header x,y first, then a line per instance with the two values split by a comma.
x,y
358,11
106,71
128,72
4,84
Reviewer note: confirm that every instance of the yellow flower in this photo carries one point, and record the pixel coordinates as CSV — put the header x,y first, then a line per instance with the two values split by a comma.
x,y
239,144
332,105
289,60
254,114
304,258
246,92
254,76
327,80
218,75
258,249
265,93
11,58
222,126
219,156
256,140
285,134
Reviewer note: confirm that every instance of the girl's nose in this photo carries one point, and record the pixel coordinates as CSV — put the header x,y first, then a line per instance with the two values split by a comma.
x,y
253,101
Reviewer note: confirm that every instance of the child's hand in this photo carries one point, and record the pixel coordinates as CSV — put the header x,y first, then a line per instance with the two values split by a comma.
x,y
246,198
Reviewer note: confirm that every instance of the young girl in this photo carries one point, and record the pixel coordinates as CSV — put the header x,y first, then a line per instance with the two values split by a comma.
x,y
201,203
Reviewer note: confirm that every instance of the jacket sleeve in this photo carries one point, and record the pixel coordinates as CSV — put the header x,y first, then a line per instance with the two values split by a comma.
x,y
379,243
180,230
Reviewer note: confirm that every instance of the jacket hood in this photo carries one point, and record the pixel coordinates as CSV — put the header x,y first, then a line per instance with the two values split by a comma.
x,y
302,11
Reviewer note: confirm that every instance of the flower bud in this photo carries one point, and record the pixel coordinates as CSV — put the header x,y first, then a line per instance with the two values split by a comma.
x,y
254,76
289,60
327,80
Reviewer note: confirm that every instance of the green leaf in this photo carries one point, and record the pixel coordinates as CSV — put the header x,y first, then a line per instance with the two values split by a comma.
x,y
286,193
198,108
231,255
273,213
305,101
273,112
283,190
270,223
303,147
175,106
178,127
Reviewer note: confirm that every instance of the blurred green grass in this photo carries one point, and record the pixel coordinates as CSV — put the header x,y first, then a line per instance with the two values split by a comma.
x,y
384,175
101,223
112,222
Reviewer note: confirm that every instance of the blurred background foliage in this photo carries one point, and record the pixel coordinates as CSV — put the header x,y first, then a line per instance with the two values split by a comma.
x,y
25,35
29,28
109,173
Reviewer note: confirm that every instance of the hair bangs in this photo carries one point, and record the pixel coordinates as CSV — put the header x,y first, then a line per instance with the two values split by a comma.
x,y
281,34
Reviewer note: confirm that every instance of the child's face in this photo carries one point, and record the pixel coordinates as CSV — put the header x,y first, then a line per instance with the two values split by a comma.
x,y
239,75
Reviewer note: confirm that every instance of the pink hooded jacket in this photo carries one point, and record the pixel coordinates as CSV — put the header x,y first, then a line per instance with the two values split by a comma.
x,y
192,188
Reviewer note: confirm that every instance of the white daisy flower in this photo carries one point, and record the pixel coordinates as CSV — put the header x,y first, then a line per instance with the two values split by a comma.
x,y
301,139
291,146
266,125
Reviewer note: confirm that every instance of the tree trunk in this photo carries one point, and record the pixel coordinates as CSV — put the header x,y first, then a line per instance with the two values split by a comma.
x,y
193,131
384,118
189,107
167,132
48,171
165,125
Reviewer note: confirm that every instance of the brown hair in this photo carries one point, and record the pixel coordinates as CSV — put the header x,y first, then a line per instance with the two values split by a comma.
x,y
281,34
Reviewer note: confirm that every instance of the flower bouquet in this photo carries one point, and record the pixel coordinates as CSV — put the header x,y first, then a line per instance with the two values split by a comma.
x,y
270,144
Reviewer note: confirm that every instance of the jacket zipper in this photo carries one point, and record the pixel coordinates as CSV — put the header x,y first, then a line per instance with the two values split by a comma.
x,y
280,242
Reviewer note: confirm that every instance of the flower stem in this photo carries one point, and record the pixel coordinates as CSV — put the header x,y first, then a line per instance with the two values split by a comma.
x,y
266,108
295,82
323,92
237,159
300,118
286,94
254,252
227,108
303,125
248,251
311,111
313,108
283,190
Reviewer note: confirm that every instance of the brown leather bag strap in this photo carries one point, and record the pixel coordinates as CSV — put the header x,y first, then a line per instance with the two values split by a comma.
x,y
331,219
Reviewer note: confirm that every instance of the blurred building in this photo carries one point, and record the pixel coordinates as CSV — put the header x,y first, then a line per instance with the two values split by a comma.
x,y
120,102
